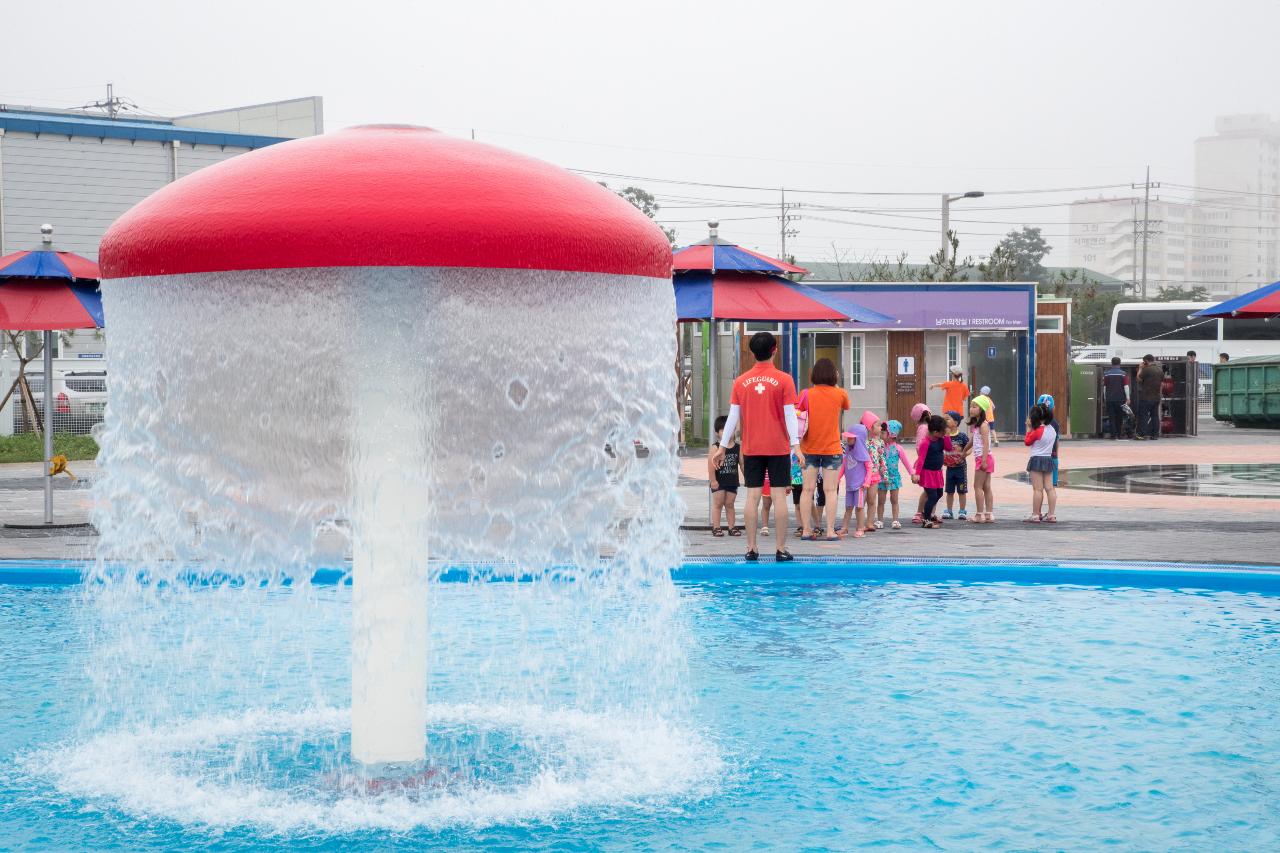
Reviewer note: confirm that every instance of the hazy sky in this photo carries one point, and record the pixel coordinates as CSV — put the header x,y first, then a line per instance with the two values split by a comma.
x,y
857,96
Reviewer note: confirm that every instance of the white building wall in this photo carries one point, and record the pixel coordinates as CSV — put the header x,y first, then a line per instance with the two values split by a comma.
x,y
193,158
293,119
79,185
1238,204
1102,239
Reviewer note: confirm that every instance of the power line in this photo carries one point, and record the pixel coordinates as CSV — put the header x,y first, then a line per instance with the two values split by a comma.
x,y
1220,190
679,182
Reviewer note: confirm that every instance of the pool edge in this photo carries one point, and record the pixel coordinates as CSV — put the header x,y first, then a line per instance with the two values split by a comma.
x,y
1235,577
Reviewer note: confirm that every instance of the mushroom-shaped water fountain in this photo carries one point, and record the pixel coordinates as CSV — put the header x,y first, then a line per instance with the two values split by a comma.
x,y
417,338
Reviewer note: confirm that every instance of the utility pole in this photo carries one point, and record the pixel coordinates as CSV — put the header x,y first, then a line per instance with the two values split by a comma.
x,y
1133,262
1147,232
112,105
785,218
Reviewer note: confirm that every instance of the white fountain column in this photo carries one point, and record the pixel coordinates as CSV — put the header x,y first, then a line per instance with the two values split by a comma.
x,y
390,501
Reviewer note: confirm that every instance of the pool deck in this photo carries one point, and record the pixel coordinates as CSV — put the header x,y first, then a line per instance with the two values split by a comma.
x,y
1094,525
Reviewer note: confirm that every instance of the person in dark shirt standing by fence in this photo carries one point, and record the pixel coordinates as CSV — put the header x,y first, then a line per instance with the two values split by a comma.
x,y
1115,393
1150,378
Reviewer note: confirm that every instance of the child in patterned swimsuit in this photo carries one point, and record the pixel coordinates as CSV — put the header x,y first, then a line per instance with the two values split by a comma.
x,y
875,447
891,484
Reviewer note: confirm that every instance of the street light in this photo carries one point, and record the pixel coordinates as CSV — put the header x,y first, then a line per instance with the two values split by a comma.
x,y
946,216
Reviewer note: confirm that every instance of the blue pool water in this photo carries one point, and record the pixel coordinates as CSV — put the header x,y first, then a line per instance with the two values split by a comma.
x,y
838,708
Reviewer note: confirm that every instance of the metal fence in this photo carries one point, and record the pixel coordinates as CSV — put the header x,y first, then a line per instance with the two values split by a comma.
x,y
73,423
78,404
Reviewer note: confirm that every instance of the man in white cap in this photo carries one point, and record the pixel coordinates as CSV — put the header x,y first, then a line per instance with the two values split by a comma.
x,y
955,391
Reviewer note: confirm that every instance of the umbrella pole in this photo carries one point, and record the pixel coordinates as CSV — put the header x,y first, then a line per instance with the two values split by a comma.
x,y
49,403
713,360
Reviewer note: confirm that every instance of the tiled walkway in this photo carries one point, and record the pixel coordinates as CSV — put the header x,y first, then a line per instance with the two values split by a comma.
x,y
1094,524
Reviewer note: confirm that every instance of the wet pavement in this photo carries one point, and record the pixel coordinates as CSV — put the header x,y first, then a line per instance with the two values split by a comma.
x,y
1225,480
1211,498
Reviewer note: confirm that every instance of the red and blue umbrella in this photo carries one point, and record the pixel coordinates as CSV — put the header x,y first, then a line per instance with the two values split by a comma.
x,y
46,289
1256,304
750,296
726,257
716,255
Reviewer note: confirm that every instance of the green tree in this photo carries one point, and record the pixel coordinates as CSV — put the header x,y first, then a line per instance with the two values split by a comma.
x,y
1091,314
1019,256
643,201
884,269
1000,265
949,268
1172,293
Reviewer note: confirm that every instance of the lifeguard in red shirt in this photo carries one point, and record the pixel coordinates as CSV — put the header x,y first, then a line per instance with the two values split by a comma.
x,y
763,402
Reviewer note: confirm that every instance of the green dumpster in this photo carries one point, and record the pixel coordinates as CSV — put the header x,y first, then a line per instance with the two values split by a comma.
x,y
1246,391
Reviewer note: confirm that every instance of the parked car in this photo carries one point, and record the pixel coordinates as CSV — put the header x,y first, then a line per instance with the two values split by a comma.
x,y
80,400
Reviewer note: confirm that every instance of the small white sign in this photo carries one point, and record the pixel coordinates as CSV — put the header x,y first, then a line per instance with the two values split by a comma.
x,y
906,365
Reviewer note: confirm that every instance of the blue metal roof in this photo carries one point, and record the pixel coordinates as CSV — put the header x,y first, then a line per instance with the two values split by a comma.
x,y
133,129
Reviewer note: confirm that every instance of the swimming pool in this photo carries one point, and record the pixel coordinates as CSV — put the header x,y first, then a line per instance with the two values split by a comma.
x,y
833,705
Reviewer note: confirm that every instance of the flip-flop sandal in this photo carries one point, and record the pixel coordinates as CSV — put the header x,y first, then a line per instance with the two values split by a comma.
x,y
810,538
832,538
752,556
735,531
1031,519
783,556
716,531
858,534
1050,519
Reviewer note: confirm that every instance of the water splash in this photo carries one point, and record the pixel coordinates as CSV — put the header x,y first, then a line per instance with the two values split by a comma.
x,y
521,419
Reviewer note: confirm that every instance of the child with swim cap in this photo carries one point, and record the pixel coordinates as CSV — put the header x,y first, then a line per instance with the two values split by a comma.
x,y
855,471
891,483
920,415
957,463
984,464
875,447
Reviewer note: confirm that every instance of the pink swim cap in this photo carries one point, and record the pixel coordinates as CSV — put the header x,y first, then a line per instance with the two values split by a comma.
x,y
918,410
869,419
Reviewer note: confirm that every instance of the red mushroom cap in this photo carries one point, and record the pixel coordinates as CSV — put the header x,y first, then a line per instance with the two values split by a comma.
x,y
383,195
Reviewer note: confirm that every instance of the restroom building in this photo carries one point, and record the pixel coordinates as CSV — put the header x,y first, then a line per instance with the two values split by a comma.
x,y
991,331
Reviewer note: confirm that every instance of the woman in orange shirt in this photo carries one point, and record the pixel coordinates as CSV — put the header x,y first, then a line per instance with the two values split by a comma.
x,y
826,405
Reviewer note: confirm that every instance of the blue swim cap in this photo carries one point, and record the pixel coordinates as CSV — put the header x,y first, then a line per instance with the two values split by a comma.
x,y
895,427
1045,400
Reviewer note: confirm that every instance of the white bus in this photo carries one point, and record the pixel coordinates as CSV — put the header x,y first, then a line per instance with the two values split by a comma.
x,y
1167,328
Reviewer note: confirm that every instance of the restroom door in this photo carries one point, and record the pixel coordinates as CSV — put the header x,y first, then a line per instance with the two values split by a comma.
x,y
906,385
993,361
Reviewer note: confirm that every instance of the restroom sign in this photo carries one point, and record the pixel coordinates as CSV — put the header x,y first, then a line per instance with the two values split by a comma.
x,y
991,352
906,365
